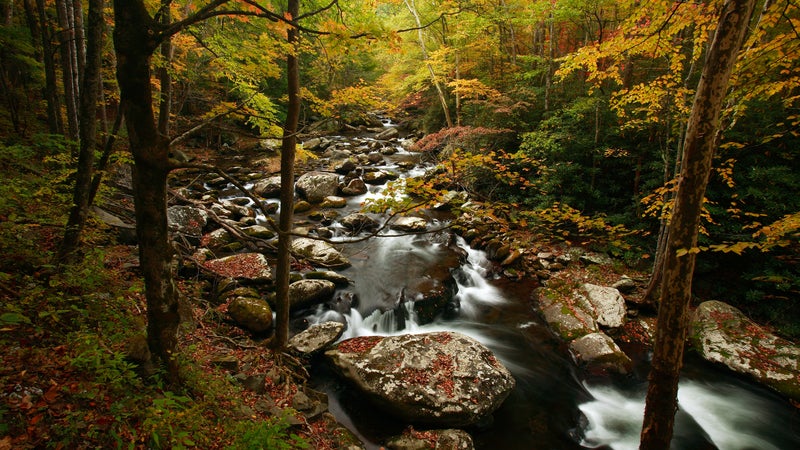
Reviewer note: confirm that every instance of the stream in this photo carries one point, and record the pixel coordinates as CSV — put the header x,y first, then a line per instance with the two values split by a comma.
x,y
554,405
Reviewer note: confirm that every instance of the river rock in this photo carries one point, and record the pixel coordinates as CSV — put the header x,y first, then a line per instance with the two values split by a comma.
x,y
268,187
388,133
448,439
216,239
319,252
344,166
625,285
259,231
334,201
410,224
377,177
305,293
187,220
252,267
441,378
315,186
252,314
314,144
237,211
607,304
567,315
336,278
599,352
375,157
723,334
356,186
316,338
357,222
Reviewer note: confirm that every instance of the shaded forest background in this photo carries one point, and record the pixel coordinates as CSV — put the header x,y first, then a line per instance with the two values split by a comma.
x,y
565,118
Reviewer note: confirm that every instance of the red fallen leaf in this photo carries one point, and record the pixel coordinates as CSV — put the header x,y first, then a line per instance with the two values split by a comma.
x,y
36,419
51,394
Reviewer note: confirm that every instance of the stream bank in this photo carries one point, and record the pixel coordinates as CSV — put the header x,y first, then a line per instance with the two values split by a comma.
x,y
496,295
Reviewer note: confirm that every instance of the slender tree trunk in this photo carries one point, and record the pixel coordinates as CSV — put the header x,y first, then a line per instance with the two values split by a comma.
x,y
288,147
412,8
673,313
90,92
108,150
135,40
651,292
54,121
548,83
69,66
80,39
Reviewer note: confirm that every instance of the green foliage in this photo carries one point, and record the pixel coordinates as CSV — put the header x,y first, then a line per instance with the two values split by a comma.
x,y
274,434
110,368
170,421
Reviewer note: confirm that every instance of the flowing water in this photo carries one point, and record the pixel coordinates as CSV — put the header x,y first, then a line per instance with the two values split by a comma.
x,y
553,406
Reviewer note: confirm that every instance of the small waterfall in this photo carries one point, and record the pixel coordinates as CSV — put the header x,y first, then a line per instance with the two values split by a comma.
x,y
378,279
719,415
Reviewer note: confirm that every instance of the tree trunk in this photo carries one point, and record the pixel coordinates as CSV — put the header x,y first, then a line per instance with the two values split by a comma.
x,y
135,40
80,39
673,313
90,92
69,65
164,78
412,8
54,121
288,147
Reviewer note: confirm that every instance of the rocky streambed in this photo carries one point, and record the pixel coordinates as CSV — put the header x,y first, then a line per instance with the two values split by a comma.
x,y
442,326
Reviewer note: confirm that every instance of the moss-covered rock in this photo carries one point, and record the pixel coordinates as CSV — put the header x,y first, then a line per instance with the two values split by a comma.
x,y
723,334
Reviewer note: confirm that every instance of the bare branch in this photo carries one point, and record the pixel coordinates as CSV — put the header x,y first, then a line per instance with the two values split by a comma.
x,y
201,125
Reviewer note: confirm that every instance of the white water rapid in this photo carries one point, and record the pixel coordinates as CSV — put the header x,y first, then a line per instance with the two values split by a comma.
x,y
726,415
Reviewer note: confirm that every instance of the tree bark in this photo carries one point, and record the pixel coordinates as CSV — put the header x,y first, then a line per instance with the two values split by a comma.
x,y
69,65
90,92
164,78
135,40
288,147
673,317
54,121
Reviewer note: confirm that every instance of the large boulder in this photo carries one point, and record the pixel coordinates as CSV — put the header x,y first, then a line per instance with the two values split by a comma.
x,y
442,378
252,314
319,252
187,220
315,186
316,338
607,303
723,334
252,267
306,293
598,352
567,315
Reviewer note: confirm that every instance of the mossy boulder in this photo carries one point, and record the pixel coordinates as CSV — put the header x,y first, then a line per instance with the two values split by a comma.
x,y
723,334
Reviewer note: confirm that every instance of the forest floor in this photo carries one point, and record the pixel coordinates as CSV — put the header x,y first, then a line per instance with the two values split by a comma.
x,y
66,380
